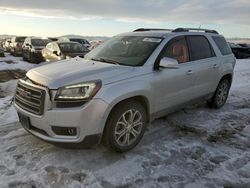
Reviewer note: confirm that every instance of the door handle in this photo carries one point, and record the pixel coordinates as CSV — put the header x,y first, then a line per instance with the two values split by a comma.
x,y
189,72
215,66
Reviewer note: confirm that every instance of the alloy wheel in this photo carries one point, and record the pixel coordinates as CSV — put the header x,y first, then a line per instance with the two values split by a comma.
x,y
128,128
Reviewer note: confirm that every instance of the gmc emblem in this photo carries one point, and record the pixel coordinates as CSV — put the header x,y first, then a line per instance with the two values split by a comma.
x,y
25,93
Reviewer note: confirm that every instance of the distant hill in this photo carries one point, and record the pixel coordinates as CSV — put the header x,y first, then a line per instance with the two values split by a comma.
x,y
239,40
89,38
5,36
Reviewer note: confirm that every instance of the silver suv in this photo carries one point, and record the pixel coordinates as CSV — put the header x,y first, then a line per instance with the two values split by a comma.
x,y
123,84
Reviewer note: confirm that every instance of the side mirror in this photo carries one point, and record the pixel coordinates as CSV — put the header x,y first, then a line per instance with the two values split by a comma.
x,y
169,63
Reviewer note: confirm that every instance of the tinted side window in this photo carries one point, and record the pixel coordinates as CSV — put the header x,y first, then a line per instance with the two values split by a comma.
x,y
177,49
199,47
222,45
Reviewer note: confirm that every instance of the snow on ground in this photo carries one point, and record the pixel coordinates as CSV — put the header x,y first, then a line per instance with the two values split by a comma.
x,y
194,147
10,62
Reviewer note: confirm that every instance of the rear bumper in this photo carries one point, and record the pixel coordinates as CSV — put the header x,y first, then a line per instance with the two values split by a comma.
x,y
17,51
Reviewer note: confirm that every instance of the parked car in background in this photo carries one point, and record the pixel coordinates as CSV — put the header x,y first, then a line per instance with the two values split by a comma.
x,y
244,45
1,52
6,45
32,49
94,44
241,51
16,45
82,41
56,51
119,87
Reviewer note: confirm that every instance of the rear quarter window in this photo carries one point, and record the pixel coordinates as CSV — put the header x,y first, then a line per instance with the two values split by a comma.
x,y
222,44
200,48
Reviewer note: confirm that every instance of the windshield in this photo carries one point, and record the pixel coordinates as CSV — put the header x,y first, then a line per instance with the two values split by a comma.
x,y
40,42
125,50
71,47
20,39
81,41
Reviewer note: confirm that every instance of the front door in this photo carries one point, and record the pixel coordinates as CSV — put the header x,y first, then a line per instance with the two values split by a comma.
x,y
174,87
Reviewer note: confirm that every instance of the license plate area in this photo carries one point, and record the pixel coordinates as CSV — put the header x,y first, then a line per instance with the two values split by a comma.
x,y
24,120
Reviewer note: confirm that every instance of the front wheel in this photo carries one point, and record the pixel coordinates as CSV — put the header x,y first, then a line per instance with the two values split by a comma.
x,y
220,95
24,56
125,126
32,58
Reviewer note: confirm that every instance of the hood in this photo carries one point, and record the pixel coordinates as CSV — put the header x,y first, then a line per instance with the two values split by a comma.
x,y
77,70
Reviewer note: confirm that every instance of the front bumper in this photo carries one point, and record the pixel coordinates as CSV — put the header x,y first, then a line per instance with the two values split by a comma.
x,y
88,120
18,50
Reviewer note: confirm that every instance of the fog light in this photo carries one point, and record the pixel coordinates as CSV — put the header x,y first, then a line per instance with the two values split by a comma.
x,y
71,131
64,131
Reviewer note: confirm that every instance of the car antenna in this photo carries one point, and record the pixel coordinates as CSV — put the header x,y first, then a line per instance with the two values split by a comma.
x,y
200,27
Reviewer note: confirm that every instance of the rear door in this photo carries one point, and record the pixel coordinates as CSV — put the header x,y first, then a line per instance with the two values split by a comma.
x,y
205,65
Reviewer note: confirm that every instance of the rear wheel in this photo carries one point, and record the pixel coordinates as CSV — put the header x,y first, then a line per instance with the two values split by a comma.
x,y
220,95
125,126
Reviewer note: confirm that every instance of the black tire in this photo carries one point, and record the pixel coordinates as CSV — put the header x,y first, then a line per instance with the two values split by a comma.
x,y
32,58
110,139
221,94
24,56
14,53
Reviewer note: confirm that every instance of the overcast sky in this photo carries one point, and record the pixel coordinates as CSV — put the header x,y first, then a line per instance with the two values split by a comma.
x,y
110,17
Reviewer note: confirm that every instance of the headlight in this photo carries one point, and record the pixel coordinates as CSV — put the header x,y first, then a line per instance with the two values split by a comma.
x,y
78,92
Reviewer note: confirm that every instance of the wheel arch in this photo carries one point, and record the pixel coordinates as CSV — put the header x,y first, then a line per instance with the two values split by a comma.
x,y
228,76
138,98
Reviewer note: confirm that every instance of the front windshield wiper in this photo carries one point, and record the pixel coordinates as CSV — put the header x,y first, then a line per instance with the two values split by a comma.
x,y
106,60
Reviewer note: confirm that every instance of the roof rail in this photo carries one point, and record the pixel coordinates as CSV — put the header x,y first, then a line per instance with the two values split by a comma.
x,y
151,29
195,29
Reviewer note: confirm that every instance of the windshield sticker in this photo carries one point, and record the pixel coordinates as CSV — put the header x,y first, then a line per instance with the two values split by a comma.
x,y
151,40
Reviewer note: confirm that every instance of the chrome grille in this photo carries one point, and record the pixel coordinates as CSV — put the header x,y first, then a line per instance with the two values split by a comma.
x,y
30,98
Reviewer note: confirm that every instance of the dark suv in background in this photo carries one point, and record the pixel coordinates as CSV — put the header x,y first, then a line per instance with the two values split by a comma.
x,y
241,51
82,41
16,45
32,49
